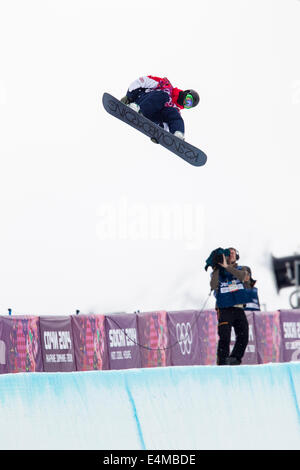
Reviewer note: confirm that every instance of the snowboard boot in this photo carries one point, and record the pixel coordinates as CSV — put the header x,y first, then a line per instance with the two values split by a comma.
x,y
134,106
179,134
154,140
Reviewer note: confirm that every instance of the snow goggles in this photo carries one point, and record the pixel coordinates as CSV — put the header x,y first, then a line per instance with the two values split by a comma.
x,y
188,101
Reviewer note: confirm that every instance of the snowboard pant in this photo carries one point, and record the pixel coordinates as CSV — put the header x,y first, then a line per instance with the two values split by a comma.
x,y
227,318
153,107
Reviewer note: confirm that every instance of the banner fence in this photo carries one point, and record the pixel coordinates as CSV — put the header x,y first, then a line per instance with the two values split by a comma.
x,y
135,340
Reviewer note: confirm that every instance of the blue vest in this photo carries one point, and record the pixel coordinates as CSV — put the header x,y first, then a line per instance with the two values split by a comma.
x,y
231,291
253,304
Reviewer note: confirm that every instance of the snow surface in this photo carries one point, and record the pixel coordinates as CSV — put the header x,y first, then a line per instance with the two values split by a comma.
x,y
192,407
97,218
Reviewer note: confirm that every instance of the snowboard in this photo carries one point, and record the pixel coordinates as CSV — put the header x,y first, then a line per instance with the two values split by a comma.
x,y
179,147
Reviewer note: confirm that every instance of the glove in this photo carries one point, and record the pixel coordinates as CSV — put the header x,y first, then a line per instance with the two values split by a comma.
x,y
125,100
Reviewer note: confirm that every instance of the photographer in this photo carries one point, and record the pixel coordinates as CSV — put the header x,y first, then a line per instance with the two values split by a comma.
x,y
232,286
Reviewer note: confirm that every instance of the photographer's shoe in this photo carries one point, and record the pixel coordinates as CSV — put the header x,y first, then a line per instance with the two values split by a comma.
x,y
222,361
232,361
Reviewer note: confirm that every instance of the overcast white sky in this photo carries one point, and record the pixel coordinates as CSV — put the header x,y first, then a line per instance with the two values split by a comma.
x,y
95,217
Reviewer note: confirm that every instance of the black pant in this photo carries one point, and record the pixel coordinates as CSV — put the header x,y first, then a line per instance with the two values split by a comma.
x,y
153,107
227,318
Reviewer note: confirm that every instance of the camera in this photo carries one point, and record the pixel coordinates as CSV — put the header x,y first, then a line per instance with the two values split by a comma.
x,y
216,257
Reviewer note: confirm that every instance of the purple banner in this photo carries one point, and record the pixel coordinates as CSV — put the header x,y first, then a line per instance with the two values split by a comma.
x,y
208,336
268,336
184,338
250,356
3,350
57,344
20,344
122,341
154,339
290,326
90,342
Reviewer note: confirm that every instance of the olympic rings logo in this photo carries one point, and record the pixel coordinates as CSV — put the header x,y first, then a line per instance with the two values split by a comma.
x,y
184,337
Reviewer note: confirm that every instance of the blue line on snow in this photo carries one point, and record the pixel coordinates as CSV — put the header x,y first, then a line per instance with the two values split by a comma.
x,y
138,424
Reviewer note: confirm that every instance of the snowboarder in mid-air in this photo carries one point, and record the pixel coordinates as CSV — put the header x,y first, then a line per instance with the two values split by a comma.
x,y
156,99
152,106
